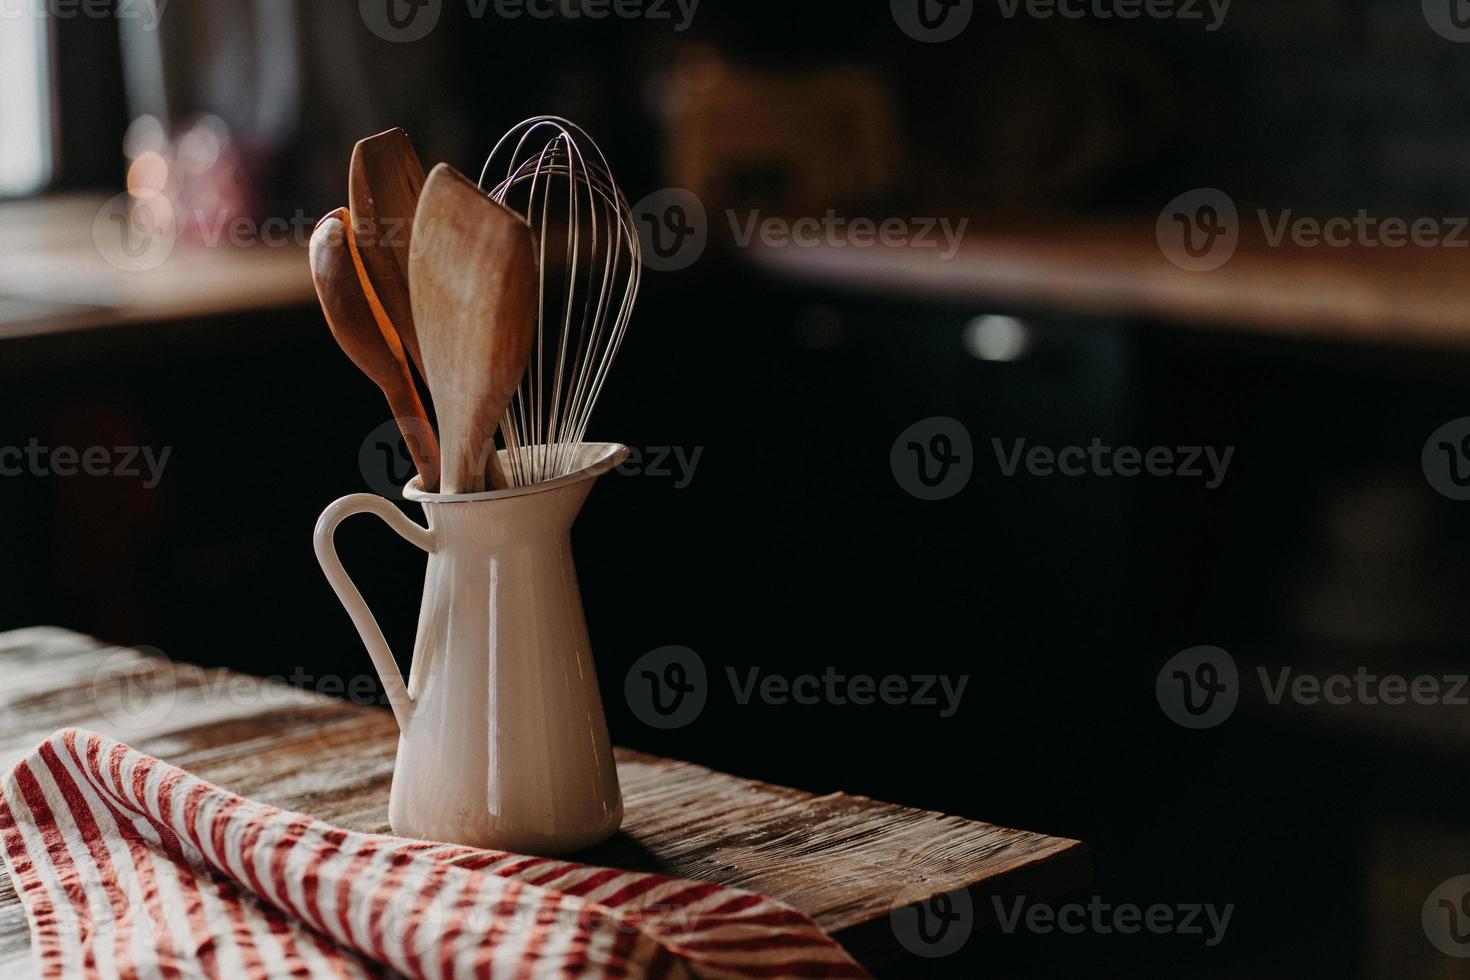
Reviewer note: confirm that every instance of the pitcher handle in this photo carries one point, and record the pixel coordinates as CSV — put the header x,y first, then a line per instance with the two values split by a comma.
x,y
351,598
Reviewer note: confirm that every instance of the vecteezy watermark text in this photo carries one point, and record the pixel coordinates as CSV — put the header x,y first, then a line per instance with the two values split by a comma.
x,y
833,230
406,21
674,229
34,459
668,688
1211,12
149,12
676,463
1200,230
137,688
1363,230
832,687
1105,918
681,12
1206,463
1200,688
935,21
1364,687
138,232
934,459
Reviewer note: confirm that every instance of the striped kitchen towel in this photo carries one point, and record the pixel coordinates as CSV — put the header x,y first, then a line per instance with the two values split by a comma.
x,y
129,867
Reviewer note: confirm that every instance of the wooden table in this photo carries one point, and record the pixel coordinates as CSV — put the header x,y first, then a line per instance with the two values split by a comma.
x,y
1408,296
846,860
53,278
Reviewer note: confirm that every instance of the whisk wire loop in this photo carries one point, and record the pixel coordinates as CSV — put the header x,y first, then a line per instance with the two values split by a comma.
x,y
551,172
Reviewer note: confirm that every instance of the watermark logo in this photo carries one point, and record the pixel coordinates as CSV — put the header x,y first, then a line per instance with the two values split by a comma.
x,y
933,926
933,21
667,688
1199,230
1446,459
135,232
1446,917
1450,19
673,229
401,21
135,688
384,459
933,459
1199,688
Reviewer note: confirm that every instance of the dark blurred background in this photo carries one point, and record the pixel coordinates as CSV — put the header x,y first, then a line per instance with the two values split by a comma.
x,y
793,370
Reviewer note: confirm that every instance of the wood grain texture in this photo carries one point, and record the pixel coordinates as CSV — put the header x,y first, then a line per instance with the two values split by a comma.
x,y
473,269
338,276
385,179
846,860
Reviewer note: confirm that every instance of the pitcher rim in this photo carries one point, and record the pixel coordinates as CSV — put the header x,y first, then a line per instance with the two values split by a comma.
x,y
610,456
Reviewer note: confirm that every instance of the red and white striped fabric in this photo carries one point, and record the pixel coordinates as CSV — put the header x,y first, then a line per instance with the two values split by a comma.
x,y
129,867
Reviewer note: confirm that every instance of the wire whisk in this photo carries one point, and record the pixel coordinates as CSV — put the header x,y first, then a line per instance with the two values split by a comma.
x,y
554,175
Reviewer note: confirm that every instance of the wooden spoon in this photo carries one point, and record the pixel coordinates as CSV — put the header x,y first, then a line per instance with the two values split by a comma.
x,y
472,265
338,281
383,189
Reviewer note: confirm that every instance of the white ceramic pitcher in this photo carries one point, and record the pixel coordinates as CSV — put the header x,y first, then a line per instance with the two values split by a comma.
x,y
502,742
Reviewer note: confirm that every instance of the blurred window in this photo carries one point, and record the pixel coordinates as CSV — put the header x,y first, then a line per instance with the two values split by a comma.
x,y
25,90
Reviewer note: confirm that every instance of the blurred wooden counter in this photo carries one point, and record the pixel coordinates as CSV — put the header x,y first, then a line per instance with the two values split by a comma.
x,y
54,277
1410,295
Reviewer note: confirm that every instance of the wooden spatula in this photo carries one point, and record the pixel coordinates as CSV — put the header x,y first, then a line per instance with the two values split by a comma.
x,y
472,267
339,287
383,189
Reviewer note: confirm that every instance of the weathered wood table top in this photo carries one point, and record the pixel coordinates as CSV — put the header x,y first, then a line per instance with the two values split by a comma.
x,y
847,861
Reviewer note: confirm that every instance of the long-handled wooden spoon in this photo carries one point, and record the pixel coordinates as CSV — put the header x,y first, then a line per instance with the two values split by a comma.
x,y
472,265
339,287
383,190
